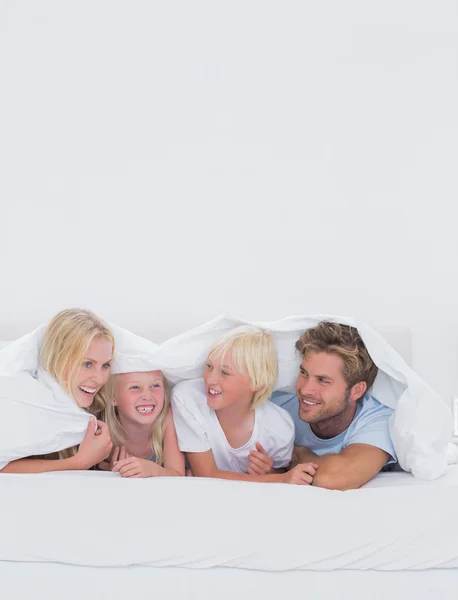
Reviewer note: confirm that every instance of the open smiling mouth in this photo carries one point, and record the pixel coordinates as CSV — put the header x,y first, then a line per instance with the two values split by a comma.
x,y
212,392
309,403
145,409
88,391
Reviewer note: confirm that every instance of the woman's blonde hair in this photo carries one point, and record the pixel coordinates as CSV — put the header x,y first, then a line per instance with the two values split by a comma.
x,y
117,431
253,353
65,344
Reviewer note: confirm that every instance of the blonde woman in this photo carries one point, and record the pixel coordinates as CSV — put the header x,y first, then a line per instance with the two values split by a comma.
x,y
142,429
75,361
224,421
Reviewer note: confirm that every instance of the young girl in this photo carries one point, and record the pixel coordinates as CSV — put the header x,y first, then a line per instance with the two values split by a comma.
x,y
142,428
75,360
224,421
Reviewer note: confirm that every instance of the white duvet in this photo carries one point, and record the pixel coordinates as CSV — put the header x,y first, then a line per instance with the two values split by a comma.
x,y
201,523
421,426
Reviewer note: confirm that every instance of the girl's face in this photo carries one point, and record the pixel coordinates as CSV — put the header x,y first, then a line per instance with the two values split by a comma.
x,y
93,372
139,397
226,386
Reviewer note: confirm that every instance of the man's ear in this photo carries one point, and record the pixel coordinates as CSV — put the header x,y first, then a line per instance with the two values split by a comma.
x,y
358,391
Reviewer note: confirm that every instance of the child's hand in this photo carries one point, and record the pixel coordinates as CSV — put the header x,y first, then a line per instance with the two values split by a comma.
x,y
259,462
301,474
136,467
95,446
118,453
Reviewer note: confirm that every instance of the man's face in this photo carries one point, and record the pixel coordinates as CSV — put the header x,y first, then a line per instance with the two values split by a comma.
x,y
321,389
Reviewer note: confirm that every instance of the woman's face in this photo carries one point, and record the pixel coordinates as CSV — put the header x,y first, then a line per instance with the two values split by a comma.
x,y
93,372
139,397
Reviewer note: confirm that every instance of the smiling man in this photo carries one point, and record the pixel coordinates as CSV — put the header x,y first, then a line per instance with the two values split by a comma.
x,y
338,424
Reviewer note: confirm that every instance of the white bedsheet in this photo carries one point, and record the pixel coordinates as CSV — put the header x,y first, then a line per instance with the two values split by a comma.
x,y
51,581
100,519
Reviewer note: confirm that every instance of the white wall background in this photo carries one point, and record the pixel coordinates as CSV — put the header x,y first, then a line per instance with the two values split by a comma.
x,y
165,162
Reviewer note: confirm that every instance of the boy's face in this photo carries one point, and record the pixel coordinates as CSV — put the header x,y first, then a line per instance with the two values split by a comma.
x,y
139,396
226,386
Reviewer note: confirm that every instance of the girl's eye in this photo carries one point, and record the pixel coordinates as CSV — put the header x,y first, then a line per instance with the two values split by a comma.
x,y
225,373
208,366
87,364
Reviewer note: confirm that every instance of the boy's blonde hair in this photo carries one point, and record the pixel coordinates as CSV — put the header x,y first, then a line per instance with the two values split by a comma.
x,y
253,353
157,429
65,344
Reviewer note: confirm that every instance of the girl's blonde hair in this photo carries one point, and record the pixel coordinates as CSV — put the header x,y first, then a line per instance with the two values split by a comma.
x,y
65,344
253,353
117,431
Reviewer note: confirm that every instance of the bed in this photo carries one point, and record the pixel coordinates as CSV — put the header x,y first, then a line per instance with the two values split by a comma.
x,y
96,535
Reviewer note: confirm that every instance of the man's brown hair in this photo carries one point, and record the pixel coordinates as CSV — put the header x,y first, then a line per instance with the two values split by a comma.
x,y
345,341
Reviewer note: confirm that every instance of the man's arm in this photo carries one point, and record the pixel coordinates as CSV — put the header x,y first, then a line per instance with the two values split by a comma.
x,y
354,466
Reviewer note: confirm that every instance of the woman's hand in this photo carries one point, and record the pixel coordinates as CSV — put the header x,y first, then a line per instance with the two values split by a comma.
x,y
95,447
259,462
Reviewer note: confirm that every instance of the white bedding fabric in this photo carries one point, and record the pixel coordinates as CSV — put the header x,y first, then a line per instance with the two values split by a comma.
x,y
99,519
52,581
421,426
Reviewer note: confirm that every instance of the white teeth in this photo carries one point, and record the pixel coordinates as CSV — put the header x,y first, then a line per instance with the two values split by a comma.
x,y
309,403
145,409
88,389
213,392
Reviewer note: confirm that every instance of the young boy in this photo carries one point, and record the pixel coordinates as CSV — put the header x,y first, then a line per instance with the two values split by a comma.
x,y
224,421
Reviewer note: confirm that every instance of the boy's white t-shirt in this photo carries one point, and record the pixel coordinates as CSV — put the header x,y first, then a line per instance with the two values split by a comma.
x,y
199,430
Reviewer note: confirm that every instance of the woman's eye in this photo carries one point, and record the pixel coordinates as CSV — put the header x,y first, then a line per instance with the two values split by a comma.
x,y
156,386
106,366
134,387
